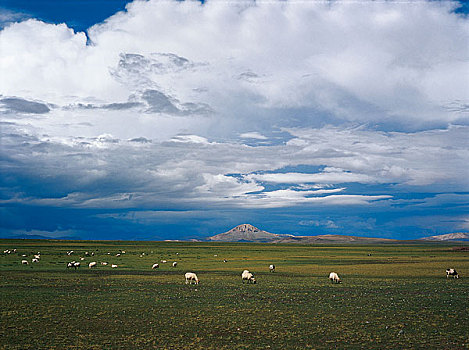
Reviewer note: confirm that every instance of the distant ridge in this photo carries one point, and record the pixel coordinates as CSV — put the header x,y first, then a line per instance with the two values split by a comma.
x,y
250,233
458,236
246,233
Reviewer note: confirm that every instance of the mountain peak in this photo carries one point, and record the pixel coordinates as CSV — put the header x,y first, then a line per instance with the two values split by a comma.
x,y
245,233
245,228
458,236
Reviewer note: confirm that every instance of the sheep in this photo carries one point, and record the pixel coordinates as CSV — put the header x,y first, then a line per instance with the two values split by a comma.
x,y
24,262
35,260
334,277
92,264
104,263
272,268
37,257
82,259
163,261
118,255
155,266
114,266
190,276
451,272
249,277
175,264
73,264
123,251
224,260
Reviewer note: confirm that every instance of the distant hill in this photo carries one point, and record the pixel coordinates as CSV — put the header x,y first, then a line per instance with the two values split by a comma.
x,y
26,236
335,239
459,236
249,233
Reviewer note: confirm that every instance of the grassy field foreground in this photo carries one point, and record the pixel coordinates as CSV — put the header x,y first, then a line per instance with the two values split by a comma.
x,y
392,296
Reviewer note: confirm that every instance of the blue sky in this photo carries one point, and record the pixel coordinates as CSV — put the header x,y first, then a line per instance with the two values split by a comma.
x,y
181,119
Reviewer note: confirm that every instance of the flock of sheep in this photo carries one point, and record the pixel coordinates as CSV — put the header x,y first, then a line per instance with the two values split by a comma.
x,y
189,276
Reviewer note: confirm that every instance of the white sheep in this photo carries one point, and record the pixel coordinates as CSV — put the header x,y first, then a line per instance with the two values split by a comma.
x,y
35,260
249,277
155,266
73,264
272,268
190,276
451,272
92,264
24,262
118,255
37,257
175,264
334,277
104,263
163,261
114,266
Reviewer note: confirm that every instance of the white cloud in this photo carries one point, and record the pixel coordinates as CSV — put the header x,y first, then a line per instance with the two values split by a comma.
x,y
324,177
376,62
154,112
253,135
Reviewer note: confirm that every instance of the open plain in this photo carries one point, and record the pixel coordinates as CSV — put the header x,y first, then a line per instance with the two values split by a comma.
x,y
391,296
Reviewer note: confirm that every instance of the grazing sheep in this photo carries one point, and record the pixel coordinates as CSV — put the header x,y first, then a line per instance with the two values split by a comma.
x,y
155,266
123,251
163,261
82,259
334,277
272,268
35,260
175,264
118,255
24,255
92,264
190,276
24,262
224,260
37,257
249,277
451,272
73,264
114,266
104,263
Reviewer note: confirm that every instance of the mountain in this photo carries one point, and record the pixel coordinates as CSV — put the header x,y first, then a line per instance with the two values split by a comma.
x,y
246,233
334,239
459,236
249,233
26,236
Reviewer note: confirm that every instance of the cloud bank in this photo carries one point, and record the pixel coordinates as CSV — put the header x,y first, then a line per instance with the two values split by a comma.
x,y
240,106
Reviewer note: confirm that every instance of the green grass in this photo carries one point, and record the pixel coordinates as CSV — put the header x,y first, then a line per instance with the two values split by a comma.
x,y
397,298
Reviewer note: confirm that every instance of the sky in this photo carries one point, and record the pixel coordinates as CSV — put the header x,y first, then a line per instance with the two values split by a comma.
x,y
153,120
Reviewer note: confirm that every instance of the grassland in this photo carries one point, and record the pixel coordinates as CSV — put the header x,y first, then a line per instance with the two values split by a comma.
x,y
396,298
